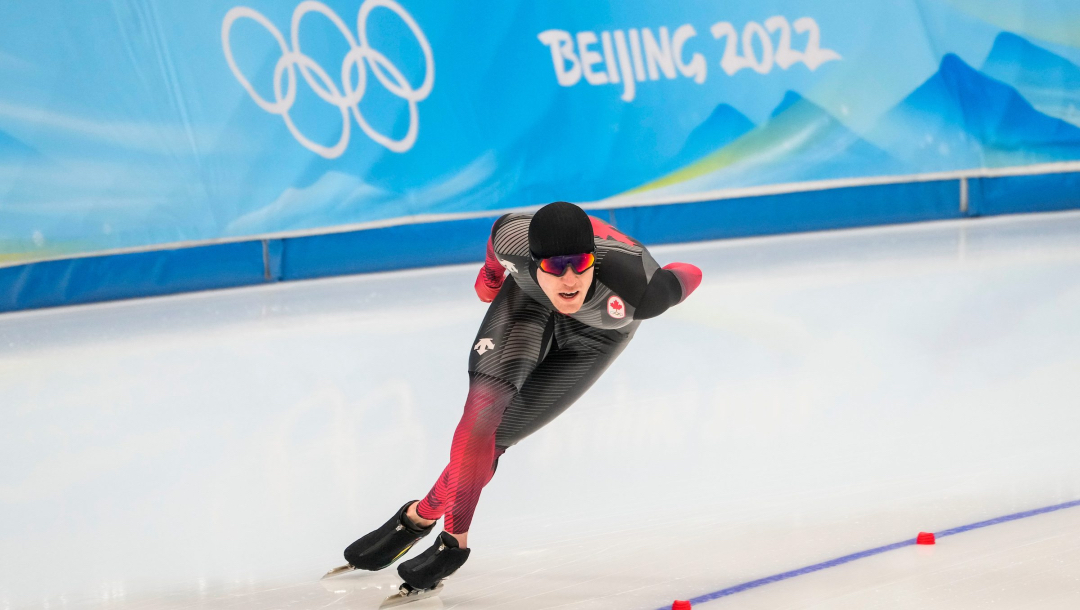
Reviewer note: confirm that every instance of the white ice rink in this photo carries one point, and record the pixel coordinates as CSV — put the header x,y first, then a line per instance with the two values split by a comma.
x,y
820,395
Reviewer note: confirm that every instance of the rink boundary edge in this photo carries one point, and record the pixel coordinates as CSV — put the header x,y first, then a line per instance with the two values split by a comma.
x,y
126,275
832,563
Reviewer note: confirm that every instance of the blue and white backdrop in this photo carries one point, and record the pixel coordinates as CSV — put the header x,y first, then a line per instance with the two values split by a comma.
x,y
135,124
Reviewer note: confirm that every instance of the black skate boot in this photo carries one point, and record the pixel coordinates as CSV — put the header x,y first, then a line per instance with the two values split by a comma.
x,y
427,569
385,545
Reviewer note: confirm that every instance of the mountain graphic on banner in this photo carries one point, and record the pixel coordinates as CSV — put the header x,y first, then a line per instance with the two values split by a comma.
x,y
11,148
1049,81
962,119
790,99
723,126
800,142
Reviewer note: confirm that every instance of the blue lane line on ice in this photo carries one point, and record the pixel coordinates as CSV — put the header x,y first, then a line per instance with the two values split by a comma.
x,y
832,563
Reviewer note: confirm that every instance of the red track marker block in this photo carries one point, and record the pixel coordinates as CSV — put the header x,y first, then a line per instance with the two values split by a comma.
x,y
680,605
925,538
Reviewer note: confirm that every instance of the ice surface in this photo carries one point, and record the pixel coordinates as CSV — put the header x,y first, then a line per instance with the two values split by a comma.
x,y
819,395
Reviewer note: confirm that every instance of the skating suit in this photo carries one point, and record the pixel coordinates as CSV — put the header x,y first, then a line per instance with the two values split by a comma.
x,y
529,362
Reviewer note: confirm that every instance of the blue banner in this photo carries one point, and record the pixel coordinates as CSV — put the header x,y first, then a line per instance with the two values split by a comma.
x,y
129,124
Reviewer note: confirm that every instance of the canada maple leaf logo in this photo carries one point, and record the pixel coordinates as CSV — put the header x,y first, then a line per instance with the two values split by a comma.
x,y
603,230
615,308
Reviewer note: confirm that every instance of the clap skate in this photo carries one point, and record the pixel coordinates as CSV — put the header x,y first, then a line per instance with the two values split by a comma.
x,y
407,594
383,546
424,574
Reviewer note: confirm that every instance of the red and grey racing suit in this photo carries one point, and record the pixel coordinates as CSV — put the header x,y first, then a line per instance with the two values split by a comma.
x,y
529,362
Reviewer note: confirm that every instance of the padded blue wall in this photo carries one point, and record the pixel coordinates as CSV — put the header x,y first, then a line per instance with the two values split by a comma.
x,y
121,276
103,278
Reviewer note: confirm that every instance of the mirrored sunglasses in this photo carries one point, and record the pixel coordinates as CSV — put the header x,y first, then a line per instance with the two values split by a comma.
x,y
557,265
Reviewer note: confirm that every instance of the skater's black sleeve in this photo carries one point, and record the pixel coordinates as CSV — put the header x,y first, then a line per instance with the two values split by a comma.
x,y
663,291
669,286
632,273
650,297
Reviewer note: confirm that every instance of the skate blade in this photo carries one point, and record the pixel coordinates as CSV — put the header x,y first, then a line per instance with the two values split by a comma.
x,y
338,571
408,596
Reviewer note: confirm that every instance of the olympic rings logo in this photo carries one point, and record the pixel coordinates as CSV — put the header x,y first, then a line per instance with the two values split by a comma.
x,y
347,96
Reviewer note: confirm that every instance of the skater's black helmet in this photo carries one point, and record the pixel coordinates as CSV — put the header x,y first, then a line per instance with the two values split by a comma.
x,y
559,229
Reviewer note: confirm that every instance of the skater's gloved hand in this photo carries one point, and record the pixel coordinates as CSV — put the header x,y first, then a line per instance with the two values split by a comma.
x,y
688,275
492,275
483,286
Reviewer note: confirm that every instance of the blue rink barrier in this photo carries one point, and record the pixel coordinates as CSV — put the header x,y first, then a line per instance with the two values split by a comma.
x,y
122,276
205,267
399,247
1013,194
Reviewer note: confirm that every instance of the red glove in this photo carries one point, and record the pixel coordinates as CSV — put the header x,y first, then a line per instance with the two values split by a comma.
x,y
688,275
491,276
483,290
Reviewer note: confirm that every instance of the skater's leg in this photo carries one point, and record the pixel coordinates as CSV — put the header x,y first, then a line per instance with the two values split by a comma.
x,y
472,455
578,358
462,538
415,518
447,554
510,343
580,355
